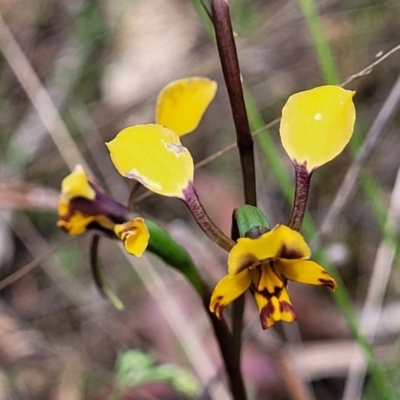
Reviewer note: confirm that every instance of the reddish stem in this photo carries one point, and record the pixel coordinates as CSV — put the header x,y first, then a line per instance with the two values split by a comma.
x,y
206,224
302,189
230,67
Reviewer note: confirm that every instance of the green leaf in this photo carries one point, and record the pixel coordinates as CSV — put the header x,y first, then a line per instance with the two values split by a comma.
x,y
162,245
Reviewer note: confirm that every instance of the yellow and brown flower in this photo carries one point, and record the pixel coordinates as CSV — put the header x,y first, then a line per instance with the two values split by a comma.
x,y
83,207
264,265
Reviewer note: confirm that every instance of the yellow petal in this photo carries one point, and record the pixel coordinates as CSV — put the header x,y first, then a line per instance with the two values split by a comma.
x,y
75,226
134,235
182,103
281,241
154,156
73,223
317,124
228,289
76,184
63,208
266,279
305,271
275,308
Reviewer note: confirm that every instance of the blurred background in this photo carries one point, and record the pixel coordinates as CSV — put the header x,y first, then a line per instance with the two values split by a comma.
x,y
75,72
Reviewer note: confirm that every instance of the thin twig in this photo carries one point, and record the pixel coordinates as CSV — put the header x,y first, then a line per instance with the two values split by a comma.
x,y
233,145
39,97
27,268
297,388
345,189
22,196
368,69
95,147
376,291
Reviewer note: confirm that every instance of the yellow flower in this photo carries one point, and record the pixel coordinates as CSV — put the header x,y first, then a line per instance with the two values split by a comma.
x,y
152,153
82,207
317,124
264,265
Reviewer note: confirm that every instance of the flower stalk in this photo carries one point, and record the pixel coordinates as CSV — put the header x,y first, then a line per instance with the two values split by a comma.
x,y
228,350
302,189
192,201
238,305
230,67
98,277
163,246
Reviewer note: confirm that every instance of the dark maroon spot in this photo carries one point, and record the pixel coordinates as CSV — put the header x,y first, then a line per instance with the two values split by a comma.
x,y
128,229
276,273
277,291
66,217
289,254
327,282
258,268
101,205
246,262
219,309
265,314
287,307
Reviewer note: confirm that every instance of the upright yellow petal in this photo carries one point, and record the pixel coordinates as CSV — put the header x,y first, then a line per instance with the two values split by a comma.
x,y
76,184
317,124
134,235
154,156
281,241
182,103
304,271
228,289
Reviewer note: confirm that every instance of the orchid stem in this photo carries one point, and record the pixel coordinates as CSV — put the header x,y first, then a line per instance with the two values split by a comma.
x,y
163,246
206,224
237,307
237,328
226,346
302,189
230,67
